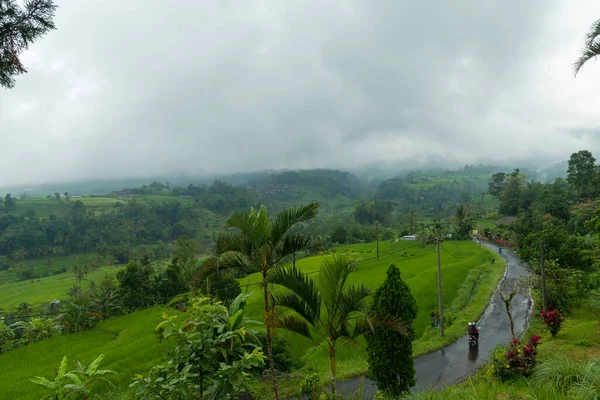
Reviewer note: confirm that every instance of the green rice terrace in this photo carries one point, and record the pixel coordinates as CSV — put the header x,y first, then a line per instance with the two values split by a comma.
x,y
130,344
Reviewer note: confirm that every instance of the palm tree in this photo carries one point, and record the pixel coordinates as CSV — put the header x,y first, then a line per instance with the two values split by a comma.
x,y
461,217
591,49
412,219
461,213
250,242
336,311
24,309
427,234
7,334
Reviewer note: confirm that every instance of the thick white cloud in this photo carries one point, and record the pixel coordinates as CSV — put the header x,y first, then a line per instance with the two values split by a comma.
x,y
140,87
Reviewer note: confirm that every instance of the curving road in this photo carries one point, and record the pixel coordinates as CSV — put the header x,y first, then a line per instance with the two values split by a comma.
x,y
456,361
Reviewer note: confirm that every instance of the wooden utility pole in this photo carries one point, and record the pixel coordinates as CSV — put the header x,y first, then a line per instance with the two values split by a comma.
x,y
545,306
377,234
440,306
376,229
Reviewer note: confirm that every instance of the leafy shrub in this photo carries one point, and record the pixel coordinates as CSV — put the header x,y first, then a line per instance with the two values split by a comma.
x,y
214,354
224,287
284,362
553,320
78,385
180,302
512,361
311,386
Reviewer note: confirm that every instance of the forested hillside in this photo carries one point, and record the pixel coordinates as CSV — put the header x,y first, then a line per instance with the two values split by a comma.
x,y
160,231
124,224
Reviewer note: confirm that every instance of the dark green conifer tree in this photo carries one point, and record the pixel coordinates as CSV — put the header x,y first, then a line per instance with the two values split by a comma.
x,y
390,353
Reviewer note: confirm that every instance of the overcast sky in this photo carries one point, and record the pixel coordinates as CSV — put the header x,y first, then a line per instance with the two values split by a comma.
x,y
140,87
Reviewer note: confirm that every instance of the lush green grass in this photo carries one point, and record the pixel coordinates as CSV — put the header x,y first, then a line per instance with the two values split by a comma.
x,y
128,342
45,267
45,207
130,345
467,277
46,289
426,180
485,223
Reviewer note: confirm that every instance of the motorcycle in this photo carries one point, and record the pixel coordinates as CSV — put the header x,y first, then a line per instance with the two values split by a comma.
x,y
473,340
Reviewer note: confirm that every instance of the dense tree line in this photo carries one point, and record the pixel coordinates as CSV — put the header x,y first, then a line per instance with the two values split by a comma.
x,y
115,231
559,218
437,199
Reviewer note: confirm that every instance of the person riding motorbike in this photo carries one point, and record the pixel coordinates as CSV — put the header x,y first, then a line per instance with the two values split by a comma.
x,y
500,250
473,332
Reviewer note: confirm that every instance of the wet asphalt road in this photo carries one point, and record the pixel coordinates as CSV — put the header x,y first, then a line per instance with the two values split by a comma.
x,y
456,361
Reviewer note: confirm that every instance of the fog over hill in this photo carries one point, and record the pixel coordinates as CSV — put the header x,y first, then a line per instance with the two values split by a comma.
x,y
367,175
214,87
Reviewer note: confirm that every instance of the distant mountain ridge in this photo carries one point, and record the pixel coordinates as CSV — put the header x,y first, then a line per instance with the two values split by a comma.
x,y
354,179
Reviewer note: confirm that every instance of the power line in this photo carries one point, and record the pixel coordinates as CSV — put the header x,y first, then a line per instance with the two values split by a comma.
x,y
452,255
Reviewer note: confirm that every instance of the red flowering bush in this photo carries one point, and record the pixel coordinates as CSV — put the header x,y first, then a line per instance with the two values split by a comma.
x,y
553,320
516,360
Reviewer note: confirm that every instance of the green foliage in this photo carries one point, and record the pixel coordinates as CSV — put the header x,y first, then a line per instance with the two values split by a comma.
x,y
567,376
311,386
184,252
369,212
224,287
20,27
213,357
128,342
172,281
135,283
581,172
496,183
511,192
73,227
516,359
10,203
573,252
591,48
565,288
284,360
250,242
80,379
463,220
389,353
329,306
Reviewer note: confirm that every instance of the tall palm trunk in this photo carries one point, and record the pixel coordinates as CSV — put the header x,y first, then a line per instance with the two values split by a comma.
x,y
332,365
268,320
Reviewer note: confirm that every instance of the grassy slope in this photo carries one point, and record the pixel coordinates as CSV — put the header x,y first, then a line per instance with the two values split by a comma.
x,y
128,343
44,267
45,207
467,279
131,337
47,289
429,179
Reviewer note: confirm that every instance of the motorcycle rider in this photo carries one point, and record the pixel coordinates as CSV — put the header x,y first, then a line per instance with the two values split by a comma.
x,y
475,331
